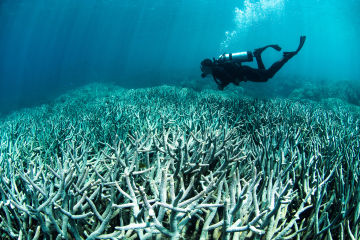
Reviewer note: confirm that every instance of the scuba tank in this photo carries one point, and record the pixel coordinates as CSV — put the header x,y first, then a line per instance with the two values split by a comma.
x,y
237,57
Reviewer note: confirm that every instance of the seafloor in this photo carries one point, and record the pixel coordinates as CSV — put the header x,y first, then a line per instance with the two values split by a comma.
x,y
103,162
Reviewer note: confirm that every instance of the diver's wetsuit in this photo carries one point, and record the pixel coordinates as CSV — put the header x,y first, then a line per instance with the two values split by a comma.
x,y
233,72
226,72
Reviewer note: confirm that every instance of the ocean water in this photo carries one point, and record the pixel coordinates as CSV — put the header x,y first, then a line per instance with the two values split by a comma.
x,y
108,130
48,47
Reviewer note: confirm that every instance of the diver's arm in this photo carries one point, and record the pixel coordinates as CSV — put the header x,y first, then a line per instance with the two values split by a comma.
x,y
216,80
220,83
221,77
203,75
221,86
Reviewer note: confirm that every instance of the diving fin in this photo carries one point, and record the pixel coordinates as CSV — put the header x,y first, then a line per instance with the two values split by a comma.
x,y
258,51
302,41
301,44
276,47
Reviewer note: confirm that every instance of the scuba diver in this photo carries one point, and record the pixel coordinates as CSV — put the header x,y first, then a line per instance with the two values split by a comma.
x,y
228,69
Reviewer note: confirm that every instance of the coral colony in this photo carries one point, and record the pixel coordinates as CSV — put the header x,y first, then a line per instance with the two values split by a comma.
x,y
171,163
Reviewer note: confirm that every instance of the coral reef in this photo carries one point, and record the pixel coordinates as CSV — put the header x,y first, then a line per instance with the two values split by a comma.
x,y
348,91
170,163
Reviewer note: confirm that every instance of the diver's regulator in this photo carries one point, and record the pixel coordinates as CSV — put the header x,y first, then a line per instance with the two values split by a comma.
x,y
246,56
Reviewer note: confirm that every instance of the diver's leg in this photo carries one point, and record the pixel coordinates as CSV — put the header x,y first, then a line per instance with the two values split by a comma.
x,y
287,56
276,66
259,61
258,52
254,75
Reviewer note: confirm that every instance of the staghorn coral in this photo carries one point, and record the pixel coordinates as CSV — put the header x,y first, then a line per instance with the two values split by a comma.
x,y
170,163
348,91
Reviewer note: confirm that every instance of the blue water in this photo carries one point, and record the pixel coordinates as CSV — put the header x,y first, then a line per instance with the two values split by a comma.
x,y
50,46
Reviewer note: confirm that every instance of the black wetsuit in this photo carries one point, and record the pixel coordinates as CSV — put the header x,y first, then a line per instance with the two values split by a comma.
x,y
226,72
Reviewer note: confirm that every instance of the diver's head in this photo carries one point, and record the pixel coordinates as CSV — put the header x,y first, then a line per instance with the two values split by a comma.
x,y
206,67
207,62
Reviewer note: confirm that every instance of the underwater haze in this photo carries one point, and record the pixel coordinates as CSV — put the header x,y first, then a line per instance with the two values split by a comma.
x,y
50,46
108,129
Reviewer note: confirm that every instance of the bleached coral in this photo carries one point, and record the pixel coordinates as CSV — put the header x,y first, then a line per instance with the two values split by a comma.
x,y
172,163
